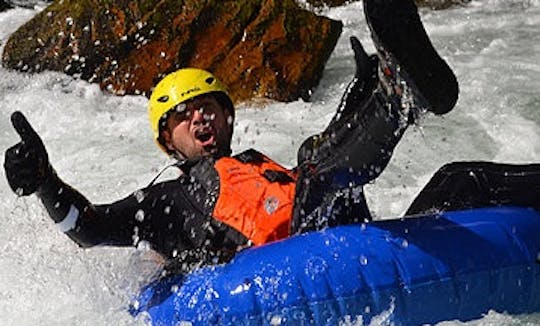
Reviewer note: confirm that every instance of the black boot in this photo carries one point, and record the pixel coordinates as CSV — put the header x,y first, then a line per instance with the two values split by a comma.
x,y
409,65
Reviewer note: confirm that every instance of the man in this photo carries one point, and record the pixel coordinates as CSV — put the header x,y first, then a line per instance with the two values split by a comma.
x,y
220,203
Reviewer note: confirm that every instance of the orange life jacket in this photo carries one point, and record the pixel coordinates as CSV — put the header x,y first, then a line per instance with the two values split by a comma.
x,y
255,197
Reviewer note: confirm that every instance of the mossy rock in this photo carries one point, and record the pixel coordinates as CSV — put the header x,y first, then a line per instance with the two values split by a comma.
x,y
259,48
433,4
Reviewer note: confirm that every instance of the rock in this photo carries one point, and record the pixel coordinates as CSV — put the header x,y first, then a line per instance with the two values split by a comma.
x,y
433,4
259,48
4,5
328,3
25,3
440,4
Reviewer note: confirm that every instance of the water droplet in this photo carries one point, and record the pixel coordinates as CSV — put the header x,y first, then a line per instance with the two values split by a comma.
x,y
363,260
405,243
275,320
144,246
135,304
139,216
139,195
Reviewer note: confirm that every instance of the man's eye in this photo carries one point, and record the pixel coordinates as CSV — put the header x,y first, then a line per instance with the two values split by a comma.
x,y
180,108
181,113
209,117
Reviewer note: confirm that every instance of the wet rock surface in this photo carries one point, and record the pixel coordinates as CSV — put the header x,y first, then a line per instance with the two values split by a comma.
x,y
433,4
259,48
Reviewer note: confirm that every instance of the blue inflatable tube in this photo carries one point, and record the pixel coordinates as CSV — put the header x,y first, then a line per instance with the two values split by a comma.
x,y
417,270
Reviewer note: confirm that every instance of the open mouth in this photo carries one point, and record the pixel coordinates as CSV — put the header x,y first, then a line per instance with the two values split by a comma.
x,y
205,136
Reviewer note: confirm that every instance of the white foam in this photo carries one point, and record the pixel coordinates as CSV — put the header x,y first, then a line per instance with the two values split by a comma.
x,y
102,145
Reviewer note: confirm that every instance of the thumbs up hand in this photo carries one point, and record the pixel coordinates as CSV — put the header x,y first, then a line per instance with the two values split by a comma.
x,y
26,163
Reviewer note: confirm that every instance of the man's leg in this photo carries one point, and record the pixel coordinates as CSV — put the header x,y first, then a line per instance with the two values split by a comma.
x,y
466,185
407,55
379,104
353,150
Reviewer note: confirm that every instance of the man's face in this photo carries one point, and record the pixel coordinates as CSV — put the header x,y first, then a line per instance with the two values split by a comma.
x,y
199,127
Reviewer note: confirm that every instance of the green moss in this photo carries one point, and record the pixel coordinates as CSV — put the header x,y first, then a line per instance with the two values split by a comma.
x,y
248,10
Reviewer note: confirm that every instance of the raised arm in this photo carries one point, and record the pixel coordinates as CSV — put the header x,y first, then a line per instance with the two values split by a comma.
x,y
166,215
29,171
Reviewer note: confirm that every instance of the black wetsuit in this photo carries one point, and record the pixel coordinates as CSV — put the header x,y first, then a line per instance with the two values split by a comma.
x,y
353,150
175,217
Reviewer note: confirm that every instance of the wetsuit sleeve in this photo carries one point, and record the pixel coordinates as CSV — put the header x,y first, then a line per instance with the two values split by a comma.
x,y
158,215
171,217
83,222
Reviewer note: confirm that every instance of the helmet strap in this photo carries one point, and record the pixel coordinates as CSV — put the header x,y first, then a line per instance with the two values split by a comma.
x,y
179,155
178,164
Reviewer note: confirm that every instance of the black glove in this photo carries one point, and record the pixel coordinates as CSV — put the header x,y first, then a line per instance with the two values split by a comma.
x,y
364,63
27,163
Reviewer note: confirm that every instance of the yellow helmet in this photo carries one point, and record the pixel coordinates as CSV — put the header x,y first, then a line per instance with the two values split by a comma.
x,y
178,87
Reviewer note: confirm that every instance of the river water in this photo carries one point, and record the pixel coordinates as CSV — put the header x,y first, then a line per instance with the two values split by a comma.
x,y
102,145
